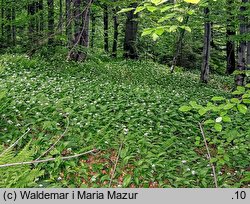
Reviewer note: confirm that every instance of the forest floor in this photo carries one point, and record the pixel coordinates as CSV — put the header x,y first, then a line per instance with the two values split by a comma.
x,y
110,106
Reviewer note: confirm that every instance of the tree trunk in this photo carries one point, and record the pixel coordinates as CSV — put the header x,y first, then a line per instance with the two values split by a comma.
x,y
41,18
106,28
68,22
241,64
206,48
93,29
116,33
31,13
2,20
81,35
179,46
60,16
130,50
9,22
231,61
51,21
13,25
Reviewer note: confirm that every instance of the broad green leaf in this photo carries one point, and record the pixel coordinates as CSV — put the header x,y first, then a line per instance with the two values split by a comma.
x,y
127,180
139,9
125,10
235,100
229,106
218,127
218,98
185,108
209,122
203,111
242,108
246,101
226,119
151,8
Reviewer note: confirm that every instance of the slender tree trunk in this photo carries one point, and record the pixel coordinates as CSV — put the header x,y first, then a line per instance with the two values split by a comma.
x,y
116,33
241,64
2,19
81,35
231,61
93,29
60,16
130,50
206,48
179,46
68,23
106,28
51,22
9,22
31,13
41,18
13,25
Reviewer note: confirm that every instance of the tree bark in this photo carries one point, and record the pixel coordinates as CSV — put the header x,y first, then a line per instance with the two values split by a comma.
x,y
93,29
106,28
179,46
130,50
116,33
80,40
206,48
9,22
13,25
60,16
68,22
231,61
2,22
51,21
241,64
41,18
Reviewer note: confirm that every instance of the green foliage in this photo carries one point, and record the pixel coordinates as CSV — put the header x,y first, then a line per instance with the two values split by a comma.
x,y
107,101
21,176
229,144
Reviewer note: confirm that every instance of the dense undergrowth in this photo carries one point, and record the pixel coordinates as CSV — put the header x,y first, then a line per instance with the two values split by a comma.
x,y
102,104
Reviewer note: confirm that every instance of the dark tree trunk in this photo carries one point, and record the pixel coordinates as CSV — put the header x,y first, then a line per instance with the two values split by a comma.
x,y
13,25
179,46
231,61
51,22
41,18
31,13
93,29
130,50
60,16
81,33
206,48
9,22
241,64
2,19
106,27
68,22
116,33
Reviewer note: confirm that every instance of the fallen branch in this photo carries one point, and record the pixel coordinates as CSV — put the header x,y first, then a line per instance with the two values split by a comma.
x,y
53,146
209,155
15,143
116,162
47,160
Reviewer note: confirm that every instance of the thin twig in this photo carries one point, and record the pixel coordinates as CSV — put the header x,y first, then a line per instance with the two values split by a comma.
x,y
47,160
53,145
116,162
209,155
15,143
